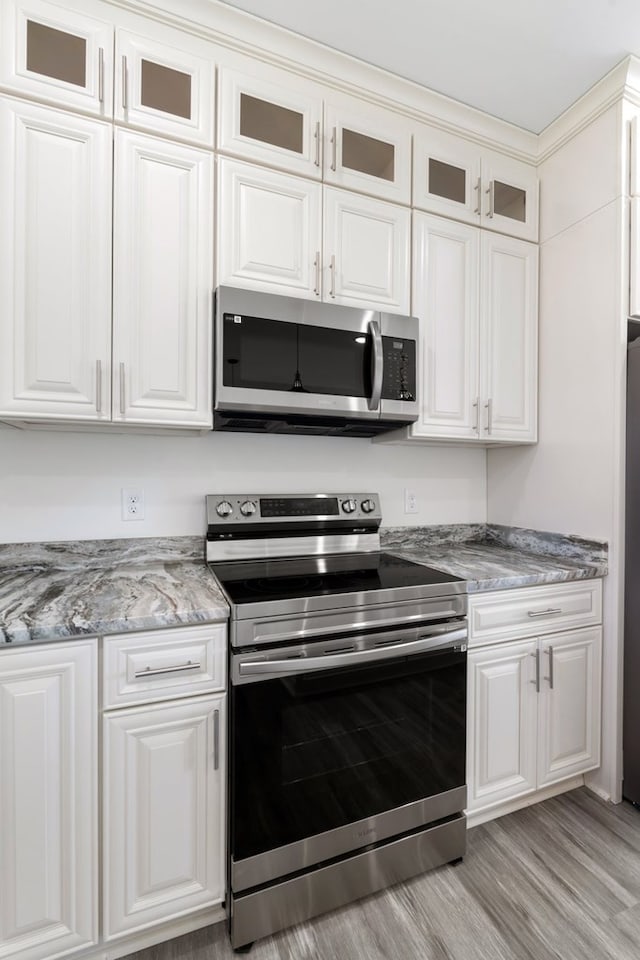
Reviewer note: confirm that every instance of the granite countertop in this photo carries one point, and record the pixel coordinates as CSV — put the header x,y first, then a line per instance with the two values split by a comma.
x,y
55,591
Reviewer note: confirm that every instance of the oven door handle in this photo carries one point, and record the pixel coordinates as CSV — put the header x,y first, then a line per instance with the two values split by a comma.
x,y
451,639
377,365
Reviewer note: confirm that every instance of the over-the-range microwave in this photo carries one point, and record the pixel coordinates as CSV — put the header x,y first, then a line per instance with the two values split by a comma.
x,y
288,365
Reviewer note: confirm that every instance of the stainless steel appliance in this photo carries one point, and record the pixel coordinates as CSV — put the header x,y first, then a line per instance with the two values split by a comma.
x,y
287,365
347,707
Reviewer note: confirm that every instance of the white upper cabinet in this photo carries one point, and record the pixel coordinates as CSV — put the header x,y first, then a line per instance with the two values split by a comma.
x,y
55,263
509,338
58,53
164,82
268,115
163,281
459,179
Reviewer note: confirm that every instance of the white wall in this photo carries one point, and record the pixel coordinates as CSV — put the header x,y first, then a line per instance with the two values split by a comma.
x,y
66,486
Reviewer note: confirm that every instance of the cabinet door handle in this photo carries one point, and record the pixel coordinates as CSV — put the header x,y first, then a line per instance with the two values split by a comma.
x,y
122,398
98,386
317,139
550,677
334,148
125,98
492,196
316,264
159,671
549,612
101,75
216,739
332,268
478,189
536,682
476,407
489,406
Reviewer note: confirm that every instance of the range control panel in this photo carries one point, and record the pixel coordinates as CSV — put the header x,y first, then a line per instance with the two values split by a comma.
x,y
272,509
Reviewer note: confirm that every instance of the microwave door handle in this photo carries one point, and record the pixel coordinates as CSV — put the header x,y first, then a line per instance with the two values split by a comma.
x,y
377,365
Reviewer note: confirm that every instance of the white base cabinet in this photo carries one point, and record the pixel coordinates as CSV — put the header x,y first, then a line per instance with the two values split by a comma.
x,y
48,800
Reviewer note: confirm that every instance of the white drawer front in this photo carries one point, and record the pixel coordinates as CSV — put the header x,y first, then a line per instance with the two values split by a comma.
x,y
161,664
509,614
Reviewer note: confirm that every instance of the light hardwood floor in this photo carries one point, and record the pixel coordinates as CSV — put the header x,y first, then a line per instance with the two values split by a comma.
x,y
557,881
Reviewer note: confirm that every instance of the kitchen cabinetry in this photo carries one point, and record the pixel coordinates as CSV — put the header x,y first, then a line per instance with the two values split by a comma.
x,y
288,235
477,296
48,800
458,179
533,704
164,776
266,115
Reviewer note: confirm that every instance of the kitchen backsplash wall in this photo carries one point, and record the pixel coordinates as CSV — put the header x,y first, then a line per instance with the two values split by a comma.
x,y
67,486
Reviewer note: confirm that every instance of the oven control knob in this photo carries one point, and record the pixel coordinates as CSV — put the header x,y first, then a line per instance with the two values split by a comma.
x,y
368,506
224,508
349,506
248,508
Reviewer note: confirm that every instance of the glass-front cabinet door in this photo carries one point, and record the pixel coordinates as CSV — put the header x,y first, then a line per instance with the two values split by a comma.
x,y
165,82
446,175
265,114
510,196
58,54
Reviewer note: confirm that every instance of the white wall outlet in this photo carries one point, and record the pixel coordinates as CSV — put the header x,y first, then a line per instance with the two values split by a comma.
x,y
410,501
132,503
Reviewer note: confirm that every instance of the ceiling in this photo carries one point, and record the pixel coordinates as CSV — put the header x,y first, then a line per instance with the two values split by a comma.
x,y
525,61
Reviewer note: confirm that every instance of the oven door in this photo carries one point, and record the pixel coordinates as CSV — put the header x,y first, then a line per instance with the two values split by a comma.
x,y
337,745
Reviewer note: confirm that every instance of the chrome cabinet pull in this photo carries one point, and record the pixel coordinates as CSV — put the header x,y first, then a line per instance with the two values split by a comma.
x,y
478,189
101,75
536,682
489,407
492,197
334,148
98,386
216,739
550,677
122,389
316,264
317,139
476,407
332,267
549,612
159,671
125,98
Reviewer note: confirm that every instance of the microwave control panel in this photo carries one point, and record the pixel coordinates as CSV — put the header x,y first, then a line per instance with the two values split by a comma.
x,y
399,378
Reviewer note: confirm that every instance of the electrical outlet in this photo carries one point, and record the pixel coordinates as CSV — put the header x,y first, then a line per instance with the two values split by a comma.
x,y
132,503
410,501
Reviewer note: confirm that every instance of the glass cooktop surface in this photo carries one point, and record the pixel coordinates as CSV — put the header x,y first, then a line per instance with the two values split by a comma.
x,y
254,581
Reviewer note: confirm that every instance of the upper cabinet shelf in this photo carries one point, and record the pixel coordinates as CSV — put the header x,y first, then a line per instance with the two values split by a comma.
x,y
263,115
456,178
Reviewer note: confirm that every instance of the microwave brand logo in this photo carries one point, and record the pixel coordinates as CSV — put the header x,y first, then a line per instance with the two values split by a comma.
x,y
361,834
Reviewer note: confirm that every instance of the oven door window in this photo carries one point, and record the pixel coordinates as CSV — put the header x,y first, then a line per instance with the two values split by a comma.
x,y
263,354
318,751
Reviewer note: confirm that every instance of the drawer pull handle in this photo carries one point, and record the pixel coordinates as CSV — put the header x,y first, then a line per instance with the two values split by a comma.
x,y
148,672
549,612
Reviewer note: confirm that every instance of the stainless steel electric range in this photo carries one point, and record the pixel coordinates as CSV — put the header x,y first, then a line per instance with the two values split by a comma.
x,y
347,707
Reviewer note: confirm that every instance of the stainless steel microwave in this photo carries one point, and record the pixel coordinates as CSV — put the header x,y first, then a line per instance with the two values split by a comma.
x,y
287,365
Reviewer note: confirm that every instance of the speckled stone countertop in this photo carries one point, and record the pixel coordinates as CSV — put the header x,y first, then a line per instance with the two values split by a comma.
x,y
55,591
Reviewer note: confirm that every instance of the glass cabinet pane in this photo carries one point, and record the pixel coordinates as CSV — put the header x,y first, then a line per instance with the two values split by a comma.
x,y
447,181
165,89
509,201
54,53
271,123
368,155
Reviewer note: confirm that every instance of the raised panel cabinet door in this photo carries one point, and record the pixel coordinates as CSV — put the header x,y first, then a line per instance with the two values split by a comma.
x,y
269,230
509,339
501,733
63,54
163,281
55,264
634,258
446,175
366,252
267,115
48,800
165,82
163,812
446,260
367,149
569,716
510,196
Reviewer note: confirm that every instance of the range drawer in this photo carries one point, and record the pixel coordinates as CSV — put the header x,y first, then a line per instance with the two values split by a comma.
x,y
162,664
510,614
